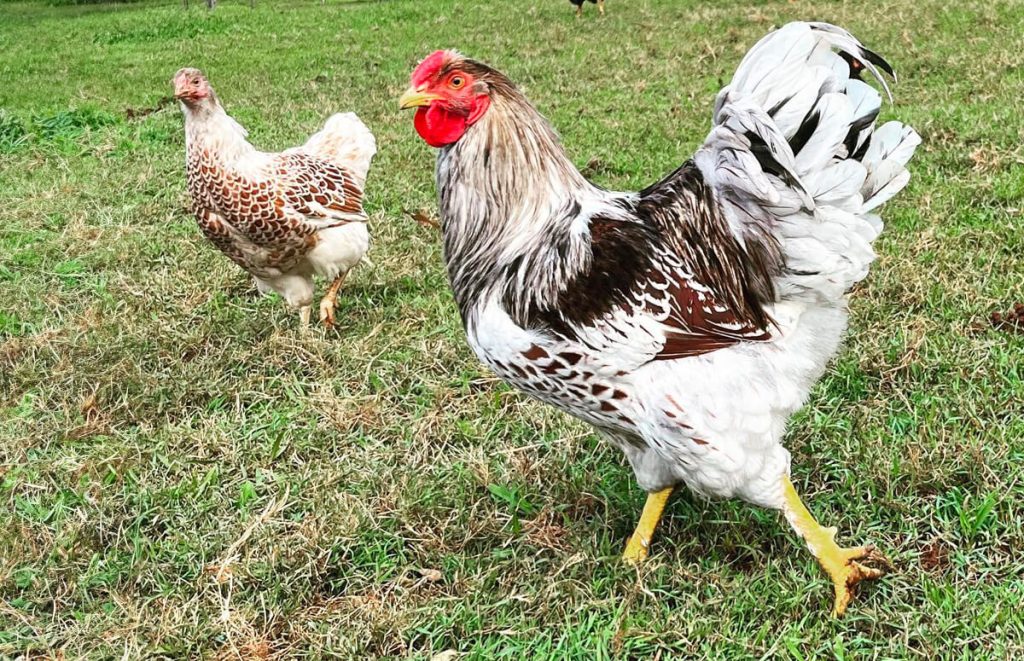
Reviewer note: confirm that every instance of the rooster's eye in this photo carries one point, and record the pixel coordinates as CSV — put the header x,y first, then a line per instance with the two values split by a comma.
x,y
456,82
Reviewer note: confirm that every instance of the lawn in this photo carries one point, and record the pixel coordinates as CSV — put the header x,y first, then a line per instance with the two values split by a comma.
x,y
184,473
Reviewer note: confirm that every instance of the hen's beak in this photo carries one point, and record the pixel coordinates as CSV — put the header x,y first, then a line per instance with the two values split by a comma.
x,y
180,87
416,96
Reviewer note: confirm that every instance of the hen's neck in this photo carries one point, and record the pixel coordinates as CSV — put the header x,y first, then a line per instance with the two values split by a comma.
x,y
210,129
511,203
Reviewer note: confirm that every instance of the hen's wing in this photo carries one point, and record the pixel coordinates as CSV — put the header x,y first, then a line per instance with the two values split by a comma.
x,y
323,180
268,212
266,221
321,192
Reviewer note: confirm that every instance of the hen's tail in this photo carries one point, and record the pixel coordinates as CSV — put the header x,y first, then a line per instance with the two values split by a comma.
x,y
347,142
794,155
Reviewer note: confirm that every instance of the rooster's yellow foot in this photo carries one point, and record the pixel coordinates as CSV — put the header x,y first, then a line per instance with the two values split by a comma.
x,y
640,542
636,550
842,565
845,570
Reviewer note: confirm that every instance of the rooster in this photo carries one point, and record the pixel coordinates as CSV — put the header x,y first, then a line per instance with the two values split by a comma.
x,y
282,217
579,6
688,321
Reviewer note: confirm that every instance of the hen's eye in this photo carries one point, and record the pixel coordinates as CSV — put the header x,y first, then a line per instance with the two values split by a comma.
x,y
457,82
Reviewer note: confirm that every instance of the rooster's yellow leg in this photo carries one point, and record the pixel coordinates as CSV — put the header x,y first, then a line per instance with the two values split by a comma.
x,y
636,549
329,299
840,564
600,7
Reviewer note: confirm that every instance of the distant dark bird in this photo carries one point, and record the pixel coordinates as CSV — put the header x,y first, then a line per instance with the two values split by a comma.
x,y
282,217
687,321
579,6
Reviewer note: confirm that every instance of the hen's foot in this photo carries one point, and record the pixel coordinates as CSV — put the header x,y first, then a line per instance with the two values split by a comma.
x,y
329,300
327,312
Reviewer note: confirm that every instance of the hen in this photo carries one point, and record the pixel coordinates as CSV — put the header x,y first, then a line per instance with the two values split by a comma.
x,y
688,321
282,217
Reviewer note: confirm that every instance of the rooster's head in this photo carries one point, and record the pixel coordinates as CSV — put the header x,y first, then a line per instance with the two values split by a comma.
x,y
450,94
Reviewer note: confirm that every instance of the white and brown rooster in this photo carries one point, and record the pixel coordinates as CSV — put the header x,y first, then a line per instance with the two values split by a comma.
x,y
688,321
282,217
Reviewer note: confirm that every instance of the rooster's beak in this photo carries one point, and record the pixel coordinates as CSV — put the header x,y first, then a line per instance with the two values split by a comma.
x,y
415,96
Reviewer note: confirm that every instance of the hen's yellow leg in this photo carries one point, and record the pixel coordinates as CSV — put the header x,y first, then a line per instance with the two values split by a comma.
x,y
329,300
600,7
840,564
636,549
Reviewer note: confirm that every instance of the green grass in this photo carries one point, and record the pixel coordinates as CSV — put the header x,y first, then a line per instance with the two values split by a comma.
x,y
183,473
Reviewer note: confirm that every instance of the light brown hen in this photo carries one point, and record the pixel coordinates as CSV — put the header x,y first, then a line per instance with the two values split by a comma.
x,y
283,217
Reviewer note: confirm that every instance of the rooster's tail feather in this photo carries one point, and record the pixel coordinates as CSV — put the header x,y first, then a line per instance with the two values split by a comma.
x,y
794,154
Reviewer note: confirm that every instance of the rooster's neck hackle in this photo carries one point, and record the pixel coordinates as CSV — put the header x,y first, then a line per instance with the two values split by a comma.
x,y
511,203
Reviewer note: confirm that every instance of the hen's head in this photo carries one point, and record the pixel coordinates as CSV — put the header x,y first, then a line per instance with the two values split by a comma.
x,y
192,88
451,93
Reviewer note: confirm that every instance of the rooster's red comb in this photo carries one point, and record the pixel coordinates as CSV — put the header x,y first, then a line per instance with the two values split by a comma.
x,y
430,65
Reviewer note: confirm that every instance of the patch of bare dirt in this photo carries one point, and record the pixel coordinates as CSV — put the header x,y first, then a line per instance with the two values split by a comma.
x,y
1011,322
